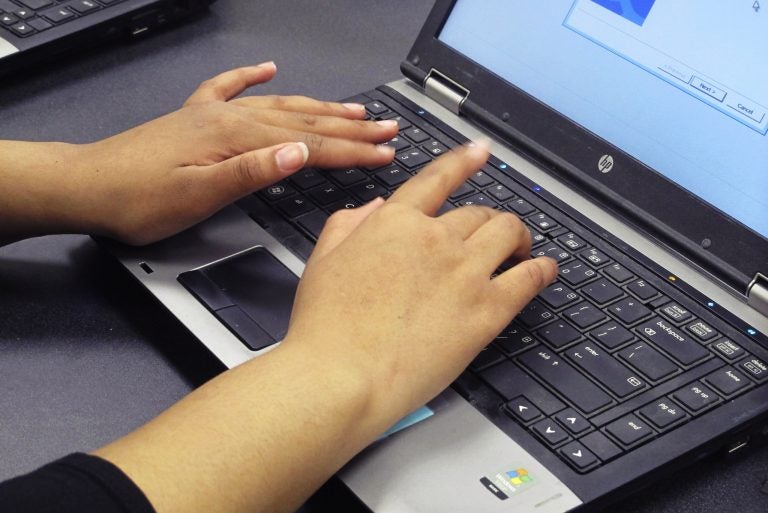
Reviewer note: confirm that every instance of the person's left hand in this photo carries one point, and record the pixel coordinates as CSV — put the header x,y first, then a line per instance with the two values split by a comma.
x,y
170,173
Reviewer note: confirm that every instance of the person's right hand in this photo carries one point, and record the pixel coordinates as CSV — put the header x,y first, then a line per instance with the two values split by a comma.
x,y
406,300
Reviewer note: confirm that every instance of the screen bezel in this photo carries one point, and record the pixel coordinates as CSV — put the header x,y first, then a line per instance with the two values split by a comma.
x,y
723,246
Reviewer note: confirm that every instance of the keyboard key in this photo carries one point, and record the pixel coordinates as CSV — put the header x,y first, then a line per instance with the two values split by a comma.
x,y
550,431
728,349
487,357
277,191
35,4
558,334
392,176
537,238
602,291
642,290
577,273
520,207
435,148
756,368
535,314
58,14
672,341
629,311
617,378
295,206
571,241
398,143
412,158
595,257
702,330
376,107
696,397
601,446
82,6
39,24
542,222
313,222
552,251
618,273
402,123
728,381
579,456
675,313
22,29
663,413
347,177
522,409
558,295
500,192
514,340
367,191
561,376
8,19
629,430
23,14
584,315
463,190
344,204
327,194
611,335
647,360
509,380
572,421
481,179
417,135
308,178
478,199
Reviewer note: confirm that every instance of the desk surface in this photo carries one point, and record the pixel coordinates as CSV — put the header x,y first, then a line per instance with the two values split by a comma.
x,y
86,355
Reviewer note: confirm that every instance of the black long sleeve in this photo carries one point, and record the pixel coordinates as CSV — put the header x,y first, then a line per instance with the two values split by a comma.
x,y
78,483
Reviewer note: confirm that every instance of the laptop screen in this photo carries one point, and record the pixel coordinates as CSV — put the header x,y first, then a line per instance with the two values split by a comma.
x,y
681,86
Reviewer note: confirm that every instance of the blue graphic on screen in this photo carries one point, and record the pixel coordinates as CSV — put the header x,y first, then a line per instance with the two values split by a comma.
x,y
635,11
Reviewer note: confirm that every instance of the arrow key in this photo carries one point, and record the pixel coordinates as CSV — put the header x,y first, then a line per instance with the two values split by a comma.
x,y
572,421
522,409
579,456
550,431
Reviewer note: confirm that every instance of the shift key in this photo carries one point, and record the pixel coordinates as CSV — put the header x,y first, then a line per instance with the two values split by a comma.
x,y
566,380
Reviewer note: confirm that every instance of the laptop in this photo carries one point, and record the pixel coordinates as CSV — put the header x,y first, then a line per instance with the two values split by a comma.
x,y
631,139
34,31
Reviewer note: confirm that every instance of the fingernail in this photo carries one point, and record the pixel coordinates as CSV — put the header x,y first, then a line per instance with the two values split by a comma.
x,y
292,157
385,150
387,123
483,144
268,64
357,107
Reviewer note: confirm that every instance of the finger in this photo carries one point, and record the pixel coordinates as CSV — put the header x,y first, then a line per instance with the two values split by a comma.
x,y
241,175
429,189
501,238
466,220
521,283
303,104
341,224
371,131
229,84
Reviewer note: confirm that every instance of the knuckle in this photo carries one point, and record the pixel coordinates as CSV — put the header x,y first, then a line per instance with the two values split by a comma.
x,y
536,275
249,172
315,142
309,119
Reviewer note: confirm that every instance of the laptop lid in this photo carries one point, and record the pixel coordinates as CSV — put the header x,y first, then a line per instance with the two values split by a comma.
x,y
662,121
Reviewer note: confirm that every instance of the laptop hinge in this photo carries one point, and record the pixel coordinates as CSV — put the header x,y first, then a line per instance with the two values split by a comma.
x,y
757,293
445,91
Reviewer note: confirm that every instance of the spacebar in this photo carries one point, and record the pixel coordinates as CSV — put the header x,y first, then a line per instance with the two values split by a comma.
x,y
566,380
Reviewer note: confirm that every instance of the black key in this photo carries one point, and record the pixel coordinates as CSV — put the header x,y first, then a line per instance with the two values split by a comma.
x,y
416,135
82,6
675,313
702,330
481,179
522,409
728,349
514,340
629,311
347,177
487,357
412,158
663,413
35,4
537,238
647,360
478,199
642,290
543,222
327,194
392,176
611,335
295,206
550,431
629,430
23,14
558,334
571,241
674,342
595,257
572,421
402,123
58,14
602,291
376,107
398,143
500,192
367,191
601,446
535,314
558,295
8,19
463,190
344,204
696,397
435,148
577,273
579,456
584,315
553,251
509,380
39,24
277,191
728,381
659,301
313,222
561,376
606,369
558,232
756,368
22,29
308,178
618,273
520,207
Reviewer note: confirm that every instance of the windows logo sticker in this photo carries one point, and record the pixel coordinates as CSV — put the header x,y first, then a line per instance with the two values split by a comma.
x,y
635,11
505,484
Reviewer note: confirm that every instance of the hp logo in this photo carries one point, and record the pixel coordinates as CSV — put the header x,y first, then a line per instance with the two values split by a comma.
x,y
605,164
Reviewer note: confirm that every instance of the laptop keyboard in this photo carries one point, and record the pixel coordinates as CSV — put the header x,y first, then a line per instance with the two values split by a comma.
x,y
26,17
610,356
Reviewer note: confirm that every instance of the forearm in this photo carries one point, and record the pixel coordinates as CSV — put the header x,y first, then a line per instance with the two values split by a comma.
x,y
40,183
260,438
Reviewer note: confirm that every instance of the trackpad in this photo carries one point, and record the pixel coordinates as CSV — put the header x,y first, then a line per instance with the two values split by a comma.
x,y
252,293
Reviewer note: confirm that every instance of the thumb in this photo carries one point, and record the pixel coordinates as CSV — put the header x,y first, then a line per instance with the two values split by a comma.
x,y
243,174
